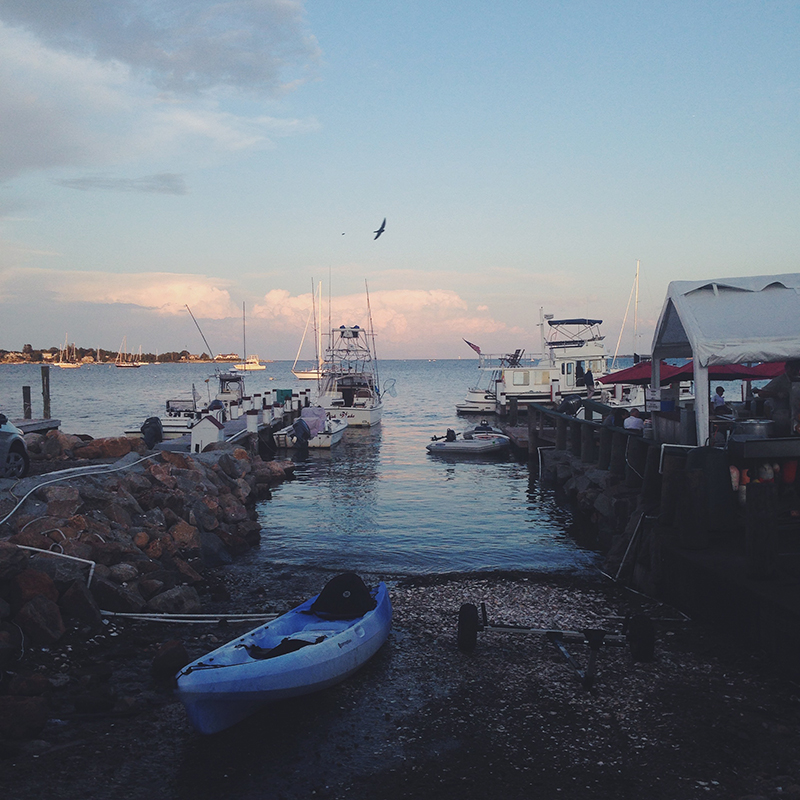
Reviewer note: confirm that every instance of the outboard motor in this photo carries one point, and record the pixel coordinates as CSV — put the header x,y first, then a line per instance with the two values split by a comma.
x,y
152,432
302,433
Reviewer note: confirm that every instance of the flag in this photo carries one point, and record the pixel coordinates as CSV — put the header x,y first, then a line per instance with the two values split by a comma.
x,y
474,347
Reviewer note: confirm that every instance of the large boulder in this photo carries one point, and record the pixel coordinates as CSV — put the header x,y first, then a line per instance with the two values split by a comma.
x,y
13,560
40,620
111,447
180,600
111,596
78,602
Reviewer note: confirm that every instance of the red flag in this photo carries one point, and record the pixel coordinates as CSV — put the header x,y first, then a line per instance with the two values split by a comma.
x,y
474,347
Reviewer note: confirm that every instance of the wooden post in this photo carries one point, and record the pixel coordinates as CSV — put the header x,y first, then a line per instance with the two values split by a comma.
x,y
651,485
634,461
574,437
533,436
45,391
604,458
26,402
513,410
673,487
619,442
693,521
587,443
561,433
760,534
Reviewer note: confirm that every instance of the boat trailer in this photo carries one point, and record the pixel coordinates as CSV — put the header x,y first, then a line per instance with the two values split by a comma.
x,y
638,634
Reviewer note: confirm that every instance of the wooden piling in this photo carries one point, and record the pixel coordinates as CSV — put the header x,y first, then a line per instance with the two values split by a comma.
x,y
604,456
27,408
619,442
588,450
513,411
45,391
651,482
575,437
561,433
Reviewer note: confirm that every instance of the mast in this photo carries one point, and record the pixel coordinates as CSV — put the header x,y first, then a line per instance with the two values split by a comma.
x,y
372,336
244,339
636,357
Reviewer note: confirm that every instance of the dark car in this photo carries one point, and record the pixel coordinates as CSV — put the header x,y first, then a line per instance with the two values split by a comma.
x,y
14,459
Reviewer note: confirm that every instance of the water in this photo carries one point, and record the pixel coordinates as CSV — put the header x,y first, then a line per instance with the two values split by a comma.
x,y
377,501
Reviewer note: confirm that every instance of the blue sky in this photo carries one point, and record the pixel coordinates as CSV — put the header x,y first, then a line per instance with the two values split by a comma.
x,y
525,155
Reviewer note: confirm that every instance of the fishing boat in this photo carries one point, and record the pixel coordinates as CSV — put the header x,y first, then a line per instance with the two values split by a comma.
x,y
475,442
251,364
316,645
314,428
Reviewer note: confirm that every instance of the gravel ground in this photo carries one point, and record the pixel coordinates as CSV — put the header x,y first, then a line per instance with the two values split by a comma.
x,y
422,719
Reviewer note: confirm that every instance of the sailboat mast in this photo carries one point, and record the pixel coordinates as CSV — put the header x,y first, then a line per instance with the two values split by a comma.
x,y
372,336
244,339
636,357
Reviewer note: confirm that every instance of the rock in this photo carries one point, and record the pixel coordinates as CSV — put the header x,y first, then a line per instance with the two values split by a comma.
x,y
33,538
58,445
29,685
213,551
234,543
109,553
124,572
163,474
187,572
40,619
232,509
31,583
12,561
180,600
149,587
170,658
185,536
62,571
203,513
62,501
112,597
116,513
22,717
111,447
141,539
250,531
5,609
231,466
79,603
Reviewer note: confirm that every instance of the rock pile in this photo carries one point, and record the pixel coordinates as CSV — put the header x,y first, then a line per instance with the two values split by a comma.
x,y
142,535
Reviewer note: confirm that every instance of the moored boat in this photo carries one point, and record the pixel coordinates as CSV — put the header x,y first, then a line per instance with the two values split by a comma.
x,y
316,645
314,428
250,364
469,443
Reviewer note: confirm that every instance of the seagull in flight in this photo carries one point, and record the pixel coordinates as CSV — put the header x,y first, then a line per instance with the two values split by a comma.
x,y
381,229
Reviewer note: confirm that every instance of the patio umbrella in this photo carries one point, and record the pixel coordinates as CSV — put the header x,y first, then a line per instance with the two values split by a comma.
x,y
640,374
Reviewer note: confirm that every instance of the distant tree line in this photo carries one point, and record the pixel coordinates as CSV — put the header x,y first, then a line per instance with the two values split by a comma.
x,y
29,353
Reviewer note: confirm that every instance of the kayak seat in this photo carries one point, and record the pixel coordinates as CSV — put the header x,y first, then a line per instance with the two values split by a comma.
x,y
344,597
286,646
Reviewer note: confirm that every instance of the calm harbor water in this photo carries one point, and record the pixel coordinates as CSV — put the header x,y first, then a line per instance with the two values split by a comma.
x,y
378,500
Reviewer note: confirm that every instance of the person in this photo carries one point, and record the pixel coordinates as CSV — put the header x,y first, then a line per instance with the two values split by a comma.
x,y
634,422
588,382
616,418
718,404
778,395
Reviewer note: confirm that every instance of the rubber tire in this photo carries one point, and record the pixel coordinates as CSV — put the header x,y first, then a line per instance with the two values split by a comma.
x,y
17,462
467,627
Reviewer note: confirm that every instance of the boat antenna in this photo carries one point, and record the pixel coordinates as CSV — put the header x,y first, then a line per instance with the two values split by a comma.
x,y
372,336
211,352
634,289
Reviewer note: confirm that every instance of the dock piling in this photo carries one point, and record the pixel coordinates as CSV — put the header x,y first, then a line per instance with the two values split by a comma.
x,y
27,409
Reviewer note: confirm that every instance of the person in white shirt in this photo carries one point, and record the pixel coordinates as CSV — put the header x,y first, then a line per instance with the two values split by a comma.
x,y
634,422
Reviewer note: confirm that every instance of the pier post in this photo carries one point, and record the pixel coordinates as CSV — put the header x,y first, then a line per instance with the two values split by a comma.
x,y
533,435
513,411
588,454
673,487
634,461
604,457
575,437
692,521
27,409
760,544
45,391
616,464
651,484
561,433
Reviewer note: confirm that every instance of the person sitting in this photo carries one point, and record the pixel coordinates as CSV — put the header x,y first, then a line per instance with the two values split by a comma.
x,y
718,404
778,393
616,418
634,422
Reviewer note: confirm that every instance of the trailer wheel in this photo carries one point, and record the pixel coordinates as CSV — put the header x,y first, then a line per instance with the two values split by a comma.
x,y
467,627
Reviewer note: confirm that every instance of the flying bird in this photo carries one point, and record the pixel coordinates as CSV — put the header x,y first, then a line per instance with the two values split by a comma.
x,y
381,229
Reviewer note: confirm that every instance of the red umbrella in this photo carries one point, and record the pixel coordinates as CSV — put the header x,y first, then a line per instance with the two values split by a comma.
x,y
641,374
733,372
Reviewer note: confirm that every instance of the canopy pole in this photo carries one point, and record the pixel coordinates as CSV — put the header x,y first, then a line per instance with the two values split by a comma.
x,y
701,403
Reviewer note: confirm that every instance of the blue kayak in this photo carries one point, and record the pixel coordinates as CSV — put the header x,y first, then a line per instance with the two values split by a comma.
x,y
316,645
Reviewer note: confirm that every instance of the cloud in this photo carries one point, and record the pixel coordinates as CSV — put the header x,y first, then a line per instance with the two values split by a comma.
x,y
165,293
71,99
165,183
181,45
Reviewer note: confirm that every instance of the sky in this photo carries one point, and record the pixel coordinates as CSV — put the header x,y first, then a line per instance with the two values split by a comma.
x,y
230,156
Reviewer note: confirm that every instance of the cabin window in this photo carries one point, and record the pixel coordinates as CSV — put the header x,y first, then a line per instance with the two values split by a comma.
x,y
521,378
543,377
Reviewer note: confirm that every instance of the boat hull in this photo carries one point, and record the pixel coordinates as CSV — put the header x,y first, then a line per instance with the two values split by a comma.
x,y
325,439
356,417
228,685
480,444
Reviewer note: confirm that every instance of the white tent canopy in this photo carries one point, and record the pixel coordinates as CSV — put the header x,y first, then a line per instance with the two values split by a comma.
x,y
727,321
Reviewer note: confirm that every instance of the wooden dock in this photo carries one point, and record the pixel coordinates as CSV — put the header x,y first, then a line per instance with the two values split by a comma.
x,y
37,425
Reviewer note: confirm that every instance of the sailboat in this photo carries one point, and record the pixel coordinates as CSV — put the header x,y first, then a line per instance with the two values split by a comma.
x,y
124,358
315,373
250,363
67,359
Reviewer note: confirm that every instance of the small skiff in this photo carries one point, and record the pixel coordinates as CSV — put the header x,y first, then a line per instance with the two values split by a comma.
x,y
315,428
316,645
477,443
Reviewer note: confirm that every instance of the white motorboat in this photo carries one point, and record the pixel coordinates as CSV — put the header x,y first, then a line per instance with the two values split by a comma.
x,y
573,347
313,428
313,373
350,387
481,442
251,364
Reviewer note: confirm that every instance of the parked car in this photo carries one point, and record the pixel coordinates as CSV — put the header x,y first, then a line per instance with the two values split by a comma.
x,y
14,459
